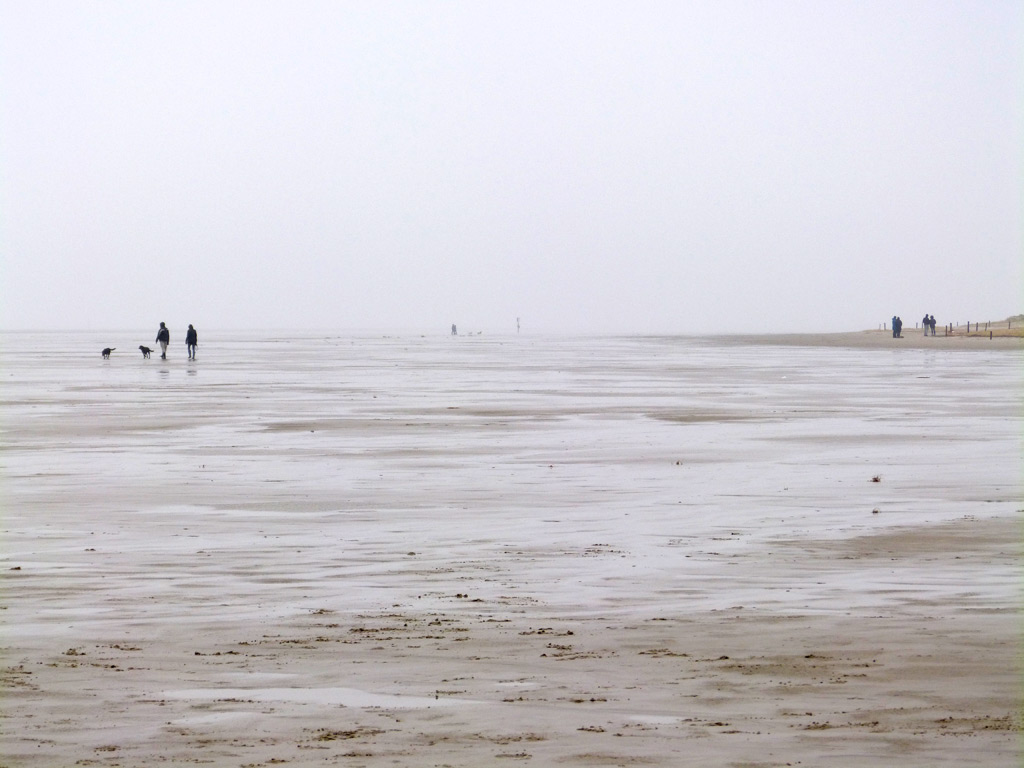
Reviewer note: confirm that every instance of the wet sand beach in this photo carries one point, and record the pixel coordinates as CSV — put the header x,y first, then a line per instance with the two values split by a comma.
x,y
317,549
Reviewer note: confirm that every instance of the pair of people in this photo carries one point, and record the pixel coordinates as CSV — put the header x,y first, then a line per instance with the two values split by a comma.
x,y
929,322
163,337
897,326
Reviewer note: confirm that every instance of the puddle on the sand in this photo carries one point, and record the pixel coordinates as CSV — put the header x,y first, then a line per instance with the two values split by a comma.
x,y
345,697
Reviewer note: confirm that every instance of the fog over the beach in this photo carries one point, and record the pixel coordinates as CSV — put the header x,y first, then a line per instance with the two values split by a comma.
x,y
586,166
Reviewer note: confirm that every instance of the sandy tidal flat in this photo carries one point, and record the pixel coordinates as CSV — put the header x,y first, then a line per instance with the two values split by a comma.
x,y
369,551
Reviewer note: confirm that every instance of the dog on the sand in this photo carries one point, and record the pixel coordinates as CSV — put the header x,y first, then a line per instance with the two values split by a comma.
x,y
107,351
145,350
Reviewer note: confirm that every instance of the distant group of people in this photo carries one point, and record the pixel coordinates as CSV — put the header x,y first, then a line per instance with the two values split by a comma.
x,y
163,338
455,330
897,325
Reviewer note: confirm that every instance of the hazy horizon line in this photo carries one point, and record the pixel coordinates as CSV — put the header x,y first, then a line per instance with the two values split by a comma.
x,y
471,332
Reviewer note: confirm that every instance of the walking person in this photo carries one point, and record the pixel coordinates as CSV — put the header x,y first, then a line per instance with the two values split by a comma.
x,y
191,341
931,322
163,337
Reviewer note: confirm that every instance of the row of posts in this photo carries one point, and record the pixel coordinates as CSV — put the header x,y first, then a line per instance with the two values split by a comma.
x,y
977,326
952,326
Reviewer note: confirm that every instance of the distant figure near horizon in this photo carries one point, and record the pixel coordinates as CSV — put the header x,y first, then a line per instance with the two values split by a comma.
x,y
931,322
894,326
455,331
163,336
897,327
925,324
191,341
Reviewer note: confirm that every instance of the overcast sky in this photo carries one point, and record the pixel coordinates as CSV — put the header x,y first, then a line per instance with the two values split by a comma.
x,y
586,166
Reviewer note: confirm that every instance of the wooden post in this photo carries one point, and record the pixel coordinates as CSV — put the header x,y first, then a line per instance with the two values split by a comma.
x,y
990,335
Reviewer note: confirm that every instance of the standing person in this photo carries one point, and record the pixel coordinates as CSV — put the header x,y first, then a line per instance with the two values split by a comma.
x,y
191,340
898,327
163,336
894,326
931,324
925,324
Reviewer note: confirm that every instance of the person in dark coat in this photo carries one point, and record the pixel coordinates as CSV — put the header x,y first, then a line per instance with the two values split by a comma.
x,y
191,340
163,337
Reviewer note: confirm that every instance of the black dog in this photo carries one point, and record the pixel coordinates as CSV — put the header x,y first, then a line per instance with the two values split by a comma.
x,y
145,350
107,351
